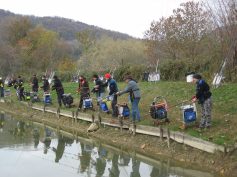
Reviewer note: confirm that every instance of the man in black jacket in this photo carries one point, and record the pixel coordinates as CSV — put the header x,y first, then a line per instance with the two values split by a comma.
x,y
35,84
98,88
203,95
59,89
20,88
45,86
83,89
113,89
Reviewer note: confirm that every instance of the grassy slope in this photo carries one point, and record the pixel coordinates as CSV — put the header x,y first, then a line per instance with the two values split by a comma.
x,y
224,107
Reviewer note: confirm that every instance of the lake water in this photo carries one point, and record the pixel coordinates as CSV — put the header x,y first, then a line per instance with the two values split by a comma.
x,y
27,150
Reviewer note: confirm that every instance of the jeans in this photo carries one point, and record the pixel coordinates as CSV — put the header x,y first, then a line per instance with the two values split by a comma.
x,y
135,110
99,97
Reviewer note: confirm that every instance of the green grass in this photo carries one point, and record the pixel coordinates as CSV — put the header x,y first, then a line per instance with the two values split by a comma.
x,y
224,112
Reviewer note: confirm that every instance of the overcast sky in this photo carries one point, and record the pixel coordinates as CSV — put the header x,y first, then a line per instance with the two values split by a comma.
x,y
127,16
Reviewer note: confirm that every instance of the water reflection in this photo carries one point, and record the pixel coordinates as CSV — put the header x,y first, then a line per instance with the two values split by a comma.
x,y
36,137
28,147
47,139
2,121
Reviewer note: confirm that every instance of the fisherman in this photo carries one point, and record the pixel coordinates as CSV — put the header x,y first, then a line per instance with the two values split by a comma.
x,y
83,89
35,84
113,89
203,95
135,96
20,88
59,89
45,85
1,88
98,88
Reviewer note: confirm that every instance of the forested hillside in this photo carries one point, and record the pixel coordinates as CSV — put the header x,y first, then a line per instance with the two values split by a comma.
x,y
197,37
66,28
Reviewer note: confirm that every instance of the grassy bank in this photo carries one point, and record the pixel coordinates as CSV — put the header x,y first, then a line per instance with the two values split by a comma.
x,y
223,131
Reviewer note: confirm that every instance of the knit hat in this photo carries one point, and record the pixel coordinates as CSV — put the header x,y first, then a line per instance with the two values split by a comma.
x,y
107,76
95,76
197,76
127,77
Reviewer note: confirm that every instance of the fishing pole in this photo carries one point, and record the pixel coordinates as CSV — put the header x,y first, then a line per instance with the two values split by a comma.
x,y
182,102
185,101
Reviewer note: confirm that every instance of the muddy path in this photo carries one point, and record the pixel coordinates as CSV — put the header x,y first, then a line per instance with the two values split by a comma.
x,y
185,156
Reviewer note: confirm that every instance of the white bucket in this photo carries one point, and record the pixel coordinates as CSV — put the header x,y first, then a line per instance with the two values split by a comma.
x,y
189,78
184,107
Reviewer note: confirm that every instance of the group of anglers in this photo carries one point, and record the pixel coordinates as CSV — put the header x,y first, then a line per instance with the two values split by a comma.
x,y
203,94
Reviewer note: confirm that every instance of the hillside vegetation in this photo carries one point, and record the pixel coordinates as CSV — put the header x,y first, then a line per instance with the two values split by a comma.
x,y
197,37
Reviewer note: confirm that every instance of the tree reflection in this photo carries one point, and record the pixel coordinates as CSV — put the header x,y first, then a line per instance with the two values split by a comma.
x,y
36,136
101,162
85,157
60,148
135,168
47,140
114,171
2,121
155,172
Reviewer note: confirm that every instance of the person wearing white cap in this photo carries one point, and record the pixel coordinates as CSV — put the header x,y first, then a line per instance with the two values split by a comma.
x,y
203,95
1,88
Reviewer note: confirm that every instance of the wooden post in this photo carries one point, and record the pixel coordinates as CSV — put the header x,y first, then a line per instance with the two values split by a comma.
x,y
93,118
225,150
168,137
134,128
161,133
58,112
76,116
121,123
44,108
129,127
99,119
73,115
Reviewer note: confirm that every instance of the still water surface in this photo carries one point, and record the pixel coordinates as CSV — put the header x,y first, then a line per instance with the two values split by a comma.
x,y
30,151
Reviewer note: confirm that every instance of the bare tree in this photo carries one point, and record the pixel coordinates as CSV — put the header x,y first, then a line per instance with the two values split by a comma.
x,y
224,16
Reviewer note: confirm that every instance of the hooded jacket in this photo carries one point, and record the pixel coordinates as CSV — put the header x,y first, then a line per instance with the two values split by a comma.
x,y
133,89
202,91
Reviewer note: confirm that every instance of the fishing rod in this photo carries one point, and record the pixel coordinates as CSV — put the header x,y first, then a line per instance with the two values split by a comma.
x,y
173,106
185,101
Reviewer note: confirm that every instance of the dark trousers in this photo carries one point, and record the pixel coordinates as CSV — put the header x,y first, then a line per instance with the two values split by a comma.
x,y
60,98
83,96
21,94
1,92
206,113
114,108
35,89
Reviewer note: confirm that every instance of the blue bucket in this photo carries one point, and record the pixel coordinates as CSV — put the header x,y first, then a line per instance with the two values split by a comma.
x,y
103,106
47,99
87,103
126,111
190,115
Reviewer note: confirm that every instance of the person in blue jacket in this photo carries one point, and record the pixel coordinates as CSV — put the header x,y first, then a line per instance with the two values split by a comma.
x,y
203,95
113,89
